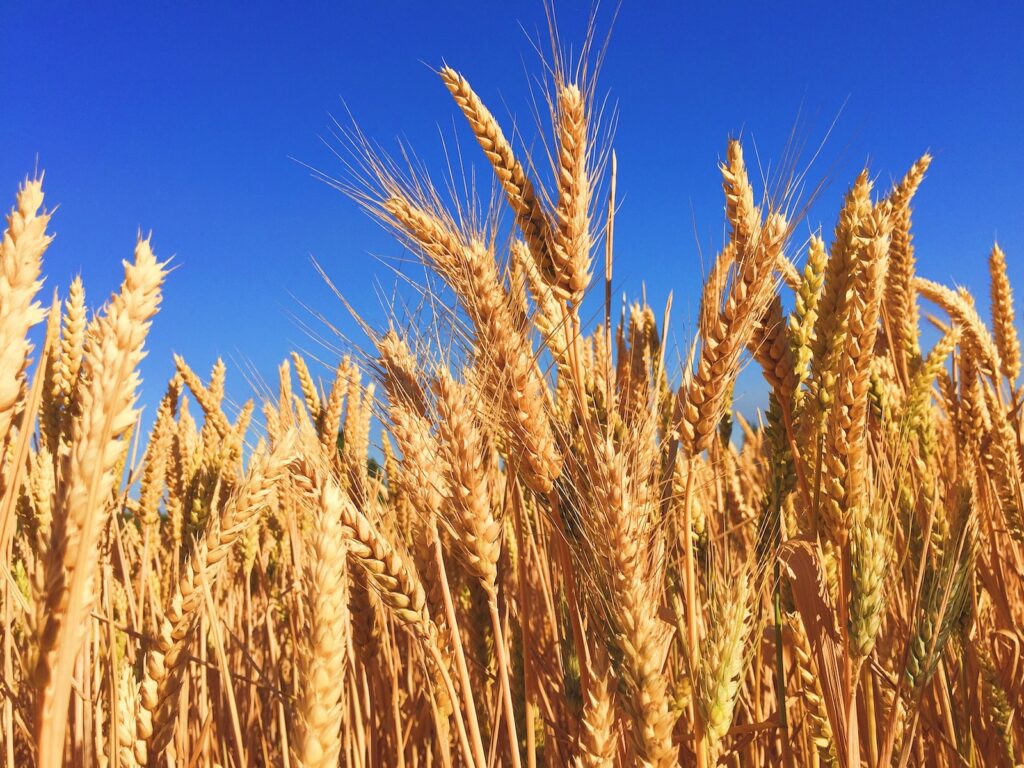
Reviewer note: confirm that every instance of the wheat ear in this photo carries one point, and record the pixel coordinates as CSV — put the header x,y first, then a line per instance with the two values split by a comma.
x,y
811,693
832,309
899,306
323,648
571,251
509,375
107,412
721,659
846,452
961,309
597,747
394,579
1004,326
530,215
66,363
726,329
21,256
307,385
479,534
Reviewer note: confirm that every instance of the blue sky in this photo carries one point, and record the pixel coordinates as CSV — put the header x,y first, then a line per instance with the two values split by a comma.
x,y
187,119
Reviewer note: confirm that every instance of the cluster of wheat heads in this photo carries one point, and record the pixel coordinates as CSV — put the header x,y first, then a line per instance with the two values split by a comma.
x,y
570,554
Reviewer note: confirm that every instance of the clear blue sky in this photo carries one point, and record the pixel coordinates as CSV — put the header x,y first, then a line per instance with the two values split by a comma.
x,y
184,118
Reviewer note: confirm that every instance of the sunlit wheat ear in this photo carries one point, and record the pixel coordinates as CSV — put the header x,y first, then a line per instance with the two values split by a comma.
x,y
391,575
973,418
722,656
388,570
832,308
846,421
21,253
508,370
962,310
1003,318
899,306
915,411
730,313
641,635
125,725
801,322
598,737
509,374
158,454
66,361
307,385
530,216
323,646
945,596
421,470
462,442
400,372
572,238
622,541
107,398
871,551
435,238
548,316
330,416
1001,711
356,438
740,211
205,396
41,487
771,346
999,456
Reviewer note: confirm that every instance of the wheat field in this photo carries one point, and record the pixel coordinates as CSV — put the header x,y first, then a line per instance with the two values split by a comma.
x,y
566,547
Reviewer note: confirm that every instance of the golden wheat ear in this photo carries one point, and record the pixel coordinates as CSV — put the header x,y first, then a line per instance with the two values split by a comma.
x,y
533,221
1003,318
323,646
107,402
899,306
21,255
